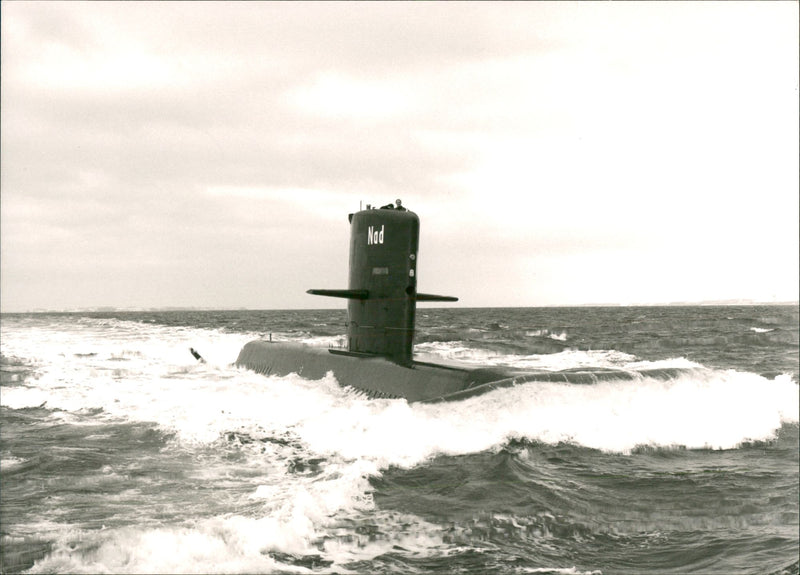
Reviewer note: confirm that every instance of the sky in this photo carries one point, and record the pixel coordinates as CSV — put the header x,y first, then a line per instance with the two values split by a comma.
x,y
207,154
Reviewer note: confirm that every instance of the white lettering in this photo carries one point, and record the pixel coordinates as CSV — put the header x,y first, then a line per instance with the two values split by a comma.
x,y
374,236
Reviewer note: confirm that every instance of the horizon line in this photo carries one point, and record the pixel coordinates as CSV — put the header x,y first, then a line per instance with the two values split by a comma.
x,y
133,309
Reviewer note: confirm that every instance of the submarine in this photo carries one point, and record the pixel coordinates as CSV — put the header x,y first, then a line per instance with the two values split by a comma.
x,y
381,307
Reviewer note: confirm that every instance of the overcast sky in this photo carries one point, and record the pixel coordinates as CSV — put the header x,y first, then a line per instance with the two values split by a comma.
x,y
207,154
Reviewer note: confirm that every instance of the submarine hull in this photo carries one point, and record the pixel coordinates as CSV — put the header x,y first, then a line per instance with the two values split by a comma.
x,y
374,375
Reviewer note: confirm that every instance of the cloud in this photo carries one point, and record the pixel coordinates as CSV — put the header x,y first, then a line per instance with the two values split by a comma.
x,y
208,154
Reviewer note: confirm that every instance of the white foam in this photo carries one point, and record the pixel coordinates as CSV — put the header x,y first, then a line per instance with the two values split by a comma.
x,y
11,462
558,336
701,409
567,359
232,544
213,546
559,571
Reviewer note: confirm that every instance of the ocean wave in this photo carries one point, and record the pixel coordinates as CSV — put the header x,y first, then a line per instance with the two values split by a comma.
x,y
559,336
9,463
566,359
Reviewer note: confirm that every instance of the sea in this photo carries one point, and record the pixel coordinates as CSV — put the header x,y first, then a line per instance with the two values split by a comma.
x,y
122,453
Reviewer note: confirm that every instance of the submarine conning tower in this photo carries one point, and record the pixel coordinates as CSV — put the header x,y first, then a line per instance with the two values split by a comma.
x,y
382,290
